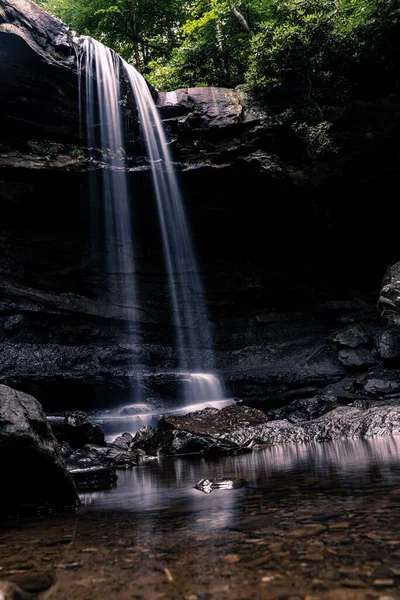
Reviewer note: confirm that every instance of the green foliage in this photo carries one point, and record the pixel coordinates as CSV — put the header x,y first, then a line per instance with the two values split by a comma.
x,y
307,58
317,55
316,137
214,48
317,50
139,30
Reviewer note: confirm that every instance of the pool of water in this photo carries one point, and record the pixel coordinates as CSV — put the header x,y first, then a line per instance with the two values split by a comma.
x,y
346,466
314,522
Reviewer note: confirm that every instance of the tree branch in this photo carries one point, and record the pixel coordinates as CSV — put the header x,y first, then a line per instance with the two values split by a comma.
x,y
241,19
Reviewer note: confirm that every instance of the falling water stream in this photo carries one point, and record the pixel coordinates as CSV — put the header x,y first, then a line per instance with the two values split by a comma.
x,y
100,70
110,201
187,295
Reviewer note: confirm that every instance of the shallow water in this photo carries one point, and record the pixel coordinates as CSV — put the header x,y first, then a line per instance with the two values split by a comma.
x,y
316,521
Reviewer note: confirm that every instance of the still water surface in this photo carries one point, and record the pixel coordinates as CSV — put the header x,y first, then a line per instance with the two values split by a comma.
x,y
314,522
343,467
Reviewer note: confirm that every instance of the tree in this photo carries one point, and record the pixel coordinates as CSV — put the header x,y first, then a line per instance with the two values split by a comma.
x,y
215,45
315,51
139,30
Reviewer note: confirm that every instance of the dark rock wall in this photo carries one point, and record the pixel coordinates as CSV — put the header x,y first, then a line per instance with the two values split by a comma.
x,y
279,236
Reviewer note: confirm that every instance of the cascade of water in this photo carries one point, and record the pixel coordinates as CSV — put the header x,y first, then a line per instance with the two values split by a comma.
x,y
100,66
189,311
99,89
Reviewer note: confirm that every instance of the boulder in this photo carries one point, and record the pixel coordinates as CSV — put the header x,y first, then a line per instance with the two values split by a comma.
x,y
124,441
357,358
142,437
388,343
383,385
352,337
75,429
305,409
92,468
32,469
201,108
211,421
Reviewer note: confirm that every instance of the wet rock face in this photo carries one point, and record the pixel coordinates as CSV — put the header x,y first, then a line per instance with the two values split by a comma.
x,y
40,99
201,108
242,434
32,470
213,421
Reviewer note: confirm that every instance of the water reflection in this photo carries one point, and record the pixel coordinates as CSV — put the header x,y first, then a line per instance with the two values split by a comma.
x,y
338,467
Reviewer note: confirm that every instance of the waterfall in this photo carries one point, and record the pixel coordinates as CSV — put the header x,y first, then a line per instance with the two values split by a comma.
x,y
189,311
193,336
110,199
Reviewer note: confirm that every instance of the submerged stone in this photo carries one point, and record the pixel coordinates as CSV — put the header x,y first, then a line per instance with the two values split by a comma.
x,y
220,483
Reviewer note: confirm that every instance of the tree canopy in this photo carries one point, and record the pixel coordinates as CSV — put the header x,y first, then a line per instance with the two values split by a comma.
x,y
275,46
305,57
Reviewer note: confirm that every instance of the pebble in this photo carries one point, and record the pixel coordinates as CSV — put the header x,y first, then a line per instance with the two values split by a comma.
x,y
353,583
314,556
36,582
306,531
342,525
68,566
379,583
231,558
11,591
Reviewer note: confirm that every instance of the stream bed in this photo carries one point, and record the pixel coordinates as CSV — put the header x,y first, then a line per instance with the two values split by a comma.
x,y
313,522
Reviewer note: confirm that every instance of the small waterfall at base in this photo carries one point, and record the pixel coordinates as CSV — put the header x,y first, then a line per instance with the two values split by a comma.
x,y
189,311
99,65
110,202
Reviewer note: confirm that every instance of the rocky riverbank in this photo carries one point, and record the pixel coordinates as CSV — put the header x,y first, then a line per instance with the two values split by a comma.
x,y
41,458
